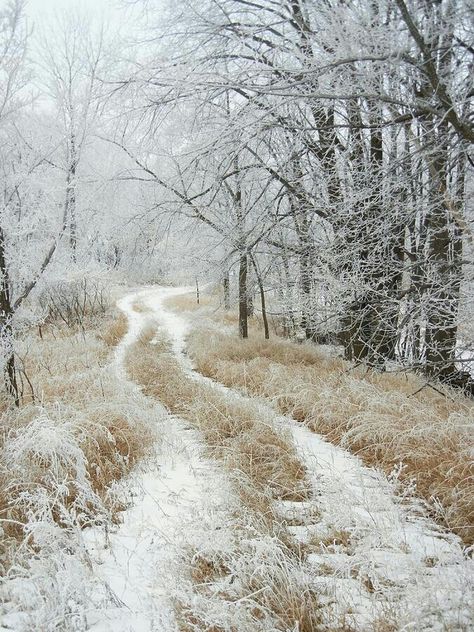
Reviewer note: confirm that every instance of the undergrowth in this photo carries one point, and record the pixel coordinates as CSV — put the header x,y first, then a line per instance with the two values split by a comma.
x,y
390,420
261,581
76,433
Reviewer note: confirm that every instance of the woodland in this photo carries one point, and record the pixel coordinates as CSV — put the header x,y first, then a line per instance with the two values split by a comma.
x,y
301,168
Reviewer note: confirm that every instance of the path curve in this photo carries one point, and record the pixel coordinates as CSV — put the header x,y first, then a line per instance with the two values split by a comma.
x,y
180,499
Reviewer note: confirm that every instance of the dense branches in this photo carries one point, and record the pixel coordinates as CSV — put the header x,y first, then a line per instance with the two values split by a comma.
x,y
346,128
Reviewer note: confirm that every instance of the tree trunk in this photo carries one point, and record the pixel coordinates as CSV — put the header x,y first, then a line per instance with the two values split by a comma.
x,y
305,284
243,299
264,312
262,298
445,269
226,287
70,211
6,330
444,261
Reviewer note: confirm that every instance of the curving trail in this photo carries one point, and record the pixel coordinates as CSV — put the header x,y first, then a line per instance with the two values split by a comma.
x,y
179,500
397,565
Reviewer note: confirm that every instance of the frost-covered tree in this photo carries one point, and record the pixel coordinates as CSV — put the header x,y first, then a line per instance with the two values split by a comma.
x,y
72,54
359,120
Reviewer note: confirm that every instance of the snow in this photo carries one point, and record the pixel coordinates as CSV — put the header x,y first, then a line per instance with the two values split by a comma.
x,y
398,563
179,503
412,568
140,560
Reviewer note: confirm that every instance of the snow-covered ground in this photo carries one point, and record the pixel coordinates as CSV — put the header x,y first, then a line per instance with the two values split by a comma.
x,y
398,565
181,500
382,559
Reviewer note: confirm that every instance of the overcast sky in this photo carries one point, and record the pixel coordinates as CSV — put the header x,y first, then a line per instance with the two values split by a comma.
x,y
39,9
118,16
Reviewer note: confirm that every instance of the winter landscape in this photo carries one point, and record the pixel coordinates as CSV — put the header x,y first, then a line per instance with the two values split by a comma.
x,y
236,316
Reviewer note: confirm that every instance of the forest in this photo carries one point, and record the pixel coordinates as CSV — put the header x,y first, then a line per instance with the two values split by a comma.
x,y
236,331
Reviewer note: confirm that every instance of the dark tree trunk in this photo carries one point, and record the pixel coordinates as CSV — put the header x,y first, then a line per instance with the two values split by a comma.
x,y
444,264
445,240
6,330
243,298
264,312
226,288
262,298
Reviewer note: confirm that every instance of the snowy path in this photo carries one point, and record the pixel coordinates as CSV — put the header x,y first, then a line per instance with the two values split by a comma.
x,y
397,565
383,560
180,501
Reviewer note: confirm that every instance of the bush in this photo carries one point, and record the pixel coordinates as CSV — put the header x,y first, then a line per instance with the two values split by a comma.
x,y
72,301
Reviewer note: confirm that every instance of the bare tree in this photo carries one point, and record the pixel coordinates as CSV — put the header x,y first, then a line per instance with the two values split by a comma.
x,y
72,54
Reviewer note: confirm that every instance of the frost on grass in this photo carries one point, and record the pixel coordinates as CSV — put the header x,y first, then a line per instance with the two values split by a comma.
x,y
253,581
77,432
426,437
376,561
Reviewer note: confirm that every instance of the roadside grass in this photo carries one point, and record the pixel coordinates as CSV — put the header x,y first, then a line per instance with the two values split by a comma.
x,y
75,434
188,302
392,421
113,333
261,580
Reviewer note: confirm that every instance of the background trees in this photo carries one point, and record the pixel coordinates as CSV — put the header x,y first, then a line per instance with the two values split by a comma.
x,y
318,150
353,123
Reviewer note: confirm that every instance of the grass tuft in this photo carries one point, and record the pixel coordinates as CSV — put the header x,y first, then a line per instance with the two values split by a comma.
x,y
389,420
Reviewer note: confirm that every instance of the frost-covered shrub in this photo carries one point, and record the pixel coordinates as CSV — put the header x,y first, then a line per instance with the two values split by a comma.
x,y
47,497
71,301
44,472
62,453
52,589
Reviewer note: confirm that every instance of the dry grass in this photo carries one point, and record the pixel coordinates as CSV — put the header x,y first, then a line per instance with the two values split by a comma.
x,y
384,418
211,307
117,329
188,302
271,592
263,588
237,432
74,435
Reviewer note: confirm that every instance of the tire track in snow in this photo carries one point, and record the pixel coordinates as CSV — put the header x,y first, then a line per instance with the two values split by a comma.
x,y
180,501
399,567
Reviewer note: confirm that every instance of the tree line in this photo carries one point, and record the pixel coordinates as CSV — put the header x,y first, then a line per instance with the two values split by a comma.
x,y
332,151
320,150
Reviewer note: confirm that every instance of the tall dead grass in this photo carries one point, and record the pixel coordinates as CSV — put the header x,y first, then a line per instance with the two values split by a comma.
x,y
75,434
188,302
390,420
115,330
271,591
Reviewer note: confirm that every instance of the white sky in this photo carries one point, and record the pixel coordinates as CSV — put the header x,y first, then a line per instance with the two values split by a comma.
x,y
38,10
118,16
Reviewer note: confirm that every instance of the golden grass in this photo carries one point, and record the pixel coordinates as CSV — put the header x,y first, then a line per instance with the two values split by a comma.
x,y
263,465
261,590
188,302
93,427
383,418
117,329
239,433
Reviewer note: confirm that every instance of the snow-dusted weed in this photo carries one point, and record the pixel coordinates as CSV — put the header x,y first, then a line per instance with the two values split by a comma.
x,y
379,417
77,432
